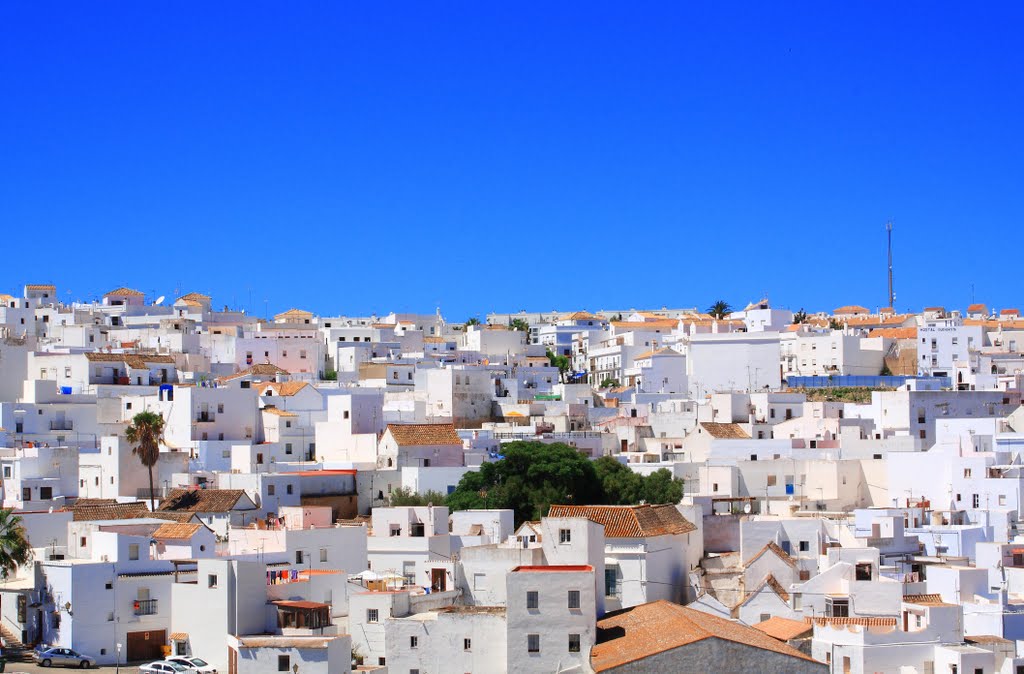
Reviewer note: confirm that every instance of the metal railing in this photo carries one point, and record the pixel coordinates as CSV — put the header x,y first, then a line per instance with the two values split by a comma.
x,y
145,607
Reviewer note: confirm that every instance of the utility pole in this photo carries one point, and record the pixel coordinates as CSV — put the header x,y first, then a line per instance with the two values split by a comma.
x,y
892,297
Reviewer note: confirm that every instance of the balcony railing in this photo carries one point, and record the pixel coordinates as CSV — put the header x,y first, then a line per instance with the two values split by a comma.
x,y
145,607
66,425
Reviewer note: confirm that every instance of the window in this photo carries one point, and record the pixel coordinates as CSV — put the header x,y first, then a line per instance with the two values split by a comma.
x,y
975,501
109,586
574,599
532,600
288,488
533,643
1002,499
837,608
611,583
211,580
414,642
323,554
298,557
284,663
574,643
863,571
805,546
220,408
371,615
967,472
467,644
287,448
771,480
270,490
564,536
45,493
133,551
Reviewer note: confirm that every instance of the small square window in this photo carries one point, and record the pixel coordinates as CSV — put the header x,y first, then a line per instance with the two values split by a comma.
x,y
533,643
284,663
467,644
211,580
532,599
574,599
133,551
574,643
564,536
371,615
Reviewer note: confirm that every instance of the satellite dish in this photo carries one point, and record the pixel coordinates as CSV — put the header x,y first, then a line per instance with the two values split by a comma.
x,y
746,508
159,301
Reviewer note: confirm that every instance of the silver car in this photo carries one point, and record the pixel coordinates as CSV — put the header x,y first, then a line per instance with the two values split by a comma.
x,y
193,664
64,657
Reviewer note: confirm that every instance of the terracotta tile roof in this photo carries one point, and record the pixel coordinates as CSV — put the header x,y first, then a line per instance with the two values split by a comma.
x,y
425,434
293,313
851,309
639,632
284,641
925,600
109,511
40,286
300,604
845,622
279,413
779,552
644,325
177,531
935,310
894,333
283,388
1009,312
725,431
784,629
639,521
194,297
986,639
260,370
869,321
202,500
581,316
664,351
977,309
125,292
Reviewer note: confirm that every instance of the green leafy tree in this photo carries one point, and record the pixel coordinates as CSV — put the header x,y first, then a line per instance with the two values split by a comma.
x,y
145,433
330,375
473,320
519,324
530,477
621,485
14,546
609,383
404,496
661,487
561,362
720,309
835,324
800,317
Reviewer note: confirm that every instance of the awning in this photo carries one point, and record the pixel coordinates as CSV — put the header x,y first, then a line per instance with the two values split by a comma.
x,y
179,636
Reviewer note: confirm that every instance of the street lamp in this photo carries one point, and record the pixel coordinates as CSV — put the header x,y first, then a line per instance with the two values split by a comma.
x,y
117,659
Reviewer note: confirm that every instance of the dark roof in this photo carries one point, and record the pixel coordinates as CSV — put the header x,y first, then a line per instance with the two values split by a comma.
x,y
637,521
109,511
202,500
725,431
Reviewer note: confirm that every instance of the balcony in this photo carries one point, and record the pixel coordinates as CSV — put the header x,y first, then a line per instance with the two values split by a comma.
x,y
145,606
65,425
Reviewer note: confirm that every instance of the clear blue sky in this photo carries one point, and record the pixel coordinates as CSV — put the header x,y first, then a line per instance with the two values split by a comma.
x,y
349,159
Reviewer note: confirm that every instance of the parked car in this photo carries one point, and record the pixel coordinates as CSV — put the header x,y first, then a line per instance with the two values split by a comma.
x,y
194,664
64,657
163,667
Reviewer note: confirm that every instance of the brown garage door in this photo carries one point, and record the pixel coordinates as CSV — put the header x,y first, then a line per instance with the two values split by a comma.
x,y
146,645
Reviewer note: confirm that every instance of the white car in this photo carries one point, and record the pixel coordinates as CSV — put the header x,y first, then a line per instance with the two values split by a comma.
x,y
161,667
195,664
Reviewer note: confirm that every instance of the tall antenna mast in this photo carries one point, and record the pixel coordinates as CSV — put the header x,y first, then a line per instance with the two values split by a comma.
x,y
892,297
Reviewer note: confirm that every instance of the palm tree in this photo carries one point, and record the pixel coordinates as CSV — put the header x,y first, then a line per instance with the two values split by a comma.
x,y
473,320
720,309
14,547
145,433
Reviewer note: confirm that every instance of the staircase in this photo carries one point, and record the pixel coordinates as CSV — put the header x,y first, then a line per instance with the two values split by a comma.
x,y
14,650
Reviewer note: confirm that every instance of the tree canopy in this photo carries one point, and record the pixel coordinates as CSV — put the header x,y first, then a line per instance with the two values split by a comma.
x,y
15,550
145,433
534,475
720,309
